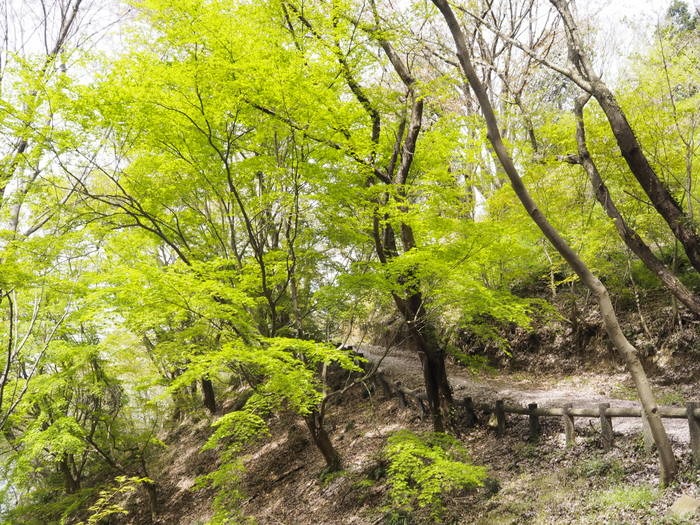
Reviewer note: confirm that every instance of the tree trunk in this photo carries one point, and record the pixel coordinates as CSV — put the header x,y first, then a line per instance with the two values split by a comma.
x,y
422,332
633,241
70,483
438,389
682,225
623,346
432,356
208,395
152,492
322,440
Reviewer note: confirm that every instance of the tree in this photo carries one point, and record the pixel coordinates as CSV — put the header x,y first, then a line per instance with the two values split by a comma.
x,y
219,187
678,190
74,422
664,202
632,239
31,82
390,172
612,326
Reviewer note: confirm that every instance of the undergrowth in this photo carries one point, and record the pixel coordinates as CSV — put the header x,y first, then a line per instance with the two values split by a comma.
x,y
423,470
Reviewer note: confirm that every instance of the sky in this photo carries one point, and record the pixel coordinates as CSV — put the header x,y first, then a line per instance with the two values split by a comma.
x,y
624,27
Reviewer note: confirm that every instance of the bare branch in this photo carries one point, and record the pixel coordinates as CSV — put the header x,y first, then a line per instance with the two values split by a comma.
x,y
568,73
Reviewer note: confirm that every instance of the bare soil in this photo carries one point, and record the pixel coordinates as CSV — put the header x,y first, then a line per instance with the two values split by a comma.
x,y
544,482
538,483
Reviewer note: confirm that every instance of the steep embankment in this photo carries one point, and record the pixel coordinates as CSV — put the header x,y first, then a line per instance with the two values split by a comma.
x,y
539,483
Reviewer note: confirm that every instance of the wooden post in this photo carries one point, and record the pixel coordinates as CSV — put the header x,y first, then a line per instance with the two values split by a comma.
x,y
535,428
500,419
694,426
646,433
569,430
384,384
606,429
470,418
403,402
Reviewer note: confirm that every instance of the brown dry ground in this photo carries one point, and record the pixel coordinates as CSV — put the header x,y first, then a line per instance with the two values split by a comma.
x,y
537,483
530,483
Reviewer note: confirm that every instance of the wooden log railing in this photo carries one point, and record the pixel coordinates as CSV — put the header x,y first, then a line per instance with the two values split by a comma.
x,y
665,412
603,412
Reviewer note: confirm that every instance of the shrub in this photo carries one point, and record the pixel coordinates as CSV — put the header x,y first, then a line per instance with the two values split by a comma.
x,y
425,468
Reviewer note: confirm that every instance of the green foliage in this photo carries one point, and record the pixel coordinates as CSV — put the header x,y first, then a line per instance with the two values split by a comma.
x,y
225,480
49,506
73,426
207,204
283,371
424,469
284,376
672,398
236,429
328,477
476,363
233,432
108,503
628,497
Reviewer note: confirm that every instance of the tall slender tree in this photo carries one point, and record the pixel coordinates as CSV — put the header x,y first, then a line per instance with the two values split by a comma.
x,y
625,348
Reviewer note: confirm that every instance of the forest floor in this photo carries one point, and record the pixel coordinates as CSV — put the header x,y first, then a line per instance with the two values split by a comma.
x,y
541,482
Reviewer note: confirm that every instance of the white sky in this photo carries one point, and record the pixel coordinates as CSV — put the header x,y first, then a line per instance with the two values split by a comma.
x,y
624,27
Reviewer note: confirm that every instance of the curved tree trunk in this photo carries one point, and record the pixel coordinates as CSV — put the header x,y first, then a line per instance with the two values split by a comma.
x,y
682,226
633,241
612,326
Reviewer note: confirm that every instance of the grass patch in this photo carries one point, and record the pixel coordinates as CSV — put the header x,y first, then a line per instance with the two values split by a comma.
x,y
326,478
671,398
624,392
627,497
598,467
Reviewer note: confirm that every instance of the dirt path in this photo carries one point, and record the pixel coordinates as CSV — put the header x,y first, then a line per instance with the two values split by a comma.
x,y
585,390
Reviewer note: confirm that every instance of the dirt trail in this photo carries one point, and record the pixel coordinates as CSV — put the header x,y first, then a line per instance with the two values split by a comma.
x,y
586,390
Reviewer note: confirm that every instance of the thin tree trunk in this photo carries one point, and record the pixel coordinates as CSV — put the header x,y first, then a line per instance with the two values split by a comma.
x,y
633,241
681,224
612,326
422,331
152,493
322,440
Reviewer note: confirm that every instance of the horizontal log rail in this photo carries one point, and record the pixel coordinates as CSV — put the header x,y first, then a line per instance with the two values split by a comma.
x,y
603,411
665,412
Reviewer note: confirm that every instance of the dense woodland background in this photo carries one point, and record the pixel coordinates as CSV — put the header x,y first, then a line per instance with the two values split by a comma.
x,y
205,204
